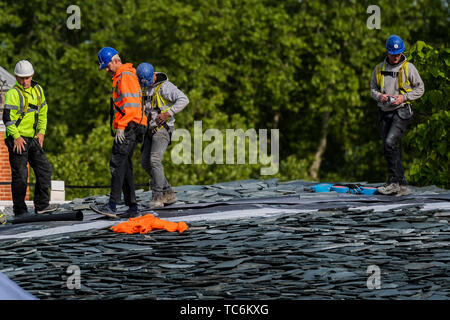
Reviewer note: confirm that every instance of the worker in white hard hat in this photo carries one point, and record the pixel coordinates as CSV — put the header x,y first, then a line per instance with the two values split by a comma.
x,y
25,118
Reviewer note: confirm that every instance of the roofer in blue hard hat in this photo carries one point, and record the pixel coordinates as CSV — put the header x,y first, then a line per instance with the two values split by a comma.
x,y
105,56
161,100
395,83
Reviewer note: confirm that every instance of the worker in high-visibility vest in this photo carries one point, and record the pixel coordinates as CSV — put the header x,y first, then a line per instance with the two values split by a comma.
x,y
162,100
395,83
25,118
129,121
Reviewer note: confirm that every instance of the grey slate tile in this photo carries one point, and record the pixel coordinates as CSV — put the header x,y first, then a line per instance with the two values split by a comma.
x,y
176,266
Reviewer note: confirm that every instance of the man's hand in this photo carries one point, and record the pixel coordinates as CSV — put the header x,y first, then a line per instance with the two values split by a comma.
x,y
120,136
40,138
399,99
19,145
162,117
384,98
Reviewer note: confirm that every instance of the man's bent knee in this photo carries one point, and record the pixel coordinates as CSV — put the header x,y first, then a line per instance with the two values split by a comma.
x,y
156,159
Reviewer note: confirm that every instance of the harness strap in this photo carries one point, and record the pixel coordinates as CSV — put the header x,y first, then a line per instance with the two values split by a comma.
x,y
113,107
24,104
389,73
401,86
380,73
380,76
157,101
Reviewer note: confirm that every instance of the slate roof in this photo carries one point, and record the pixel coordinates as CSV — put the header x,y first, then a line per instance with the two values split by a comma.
x,y
253,239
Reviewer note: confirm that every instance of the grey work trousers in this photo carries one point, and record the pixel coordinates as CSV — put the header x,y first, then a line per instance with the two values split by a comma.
x,y
153,148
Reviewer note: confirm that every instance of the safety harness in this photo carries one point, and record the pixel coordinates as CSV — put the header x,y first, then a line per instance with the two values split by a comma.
x,y
342,188
405,112
25,105
159,102
380,70
112,110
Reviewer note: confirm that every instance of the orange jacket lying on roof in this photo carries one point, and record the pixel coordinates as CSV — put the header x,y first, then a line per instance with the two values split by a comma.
x,y
147,223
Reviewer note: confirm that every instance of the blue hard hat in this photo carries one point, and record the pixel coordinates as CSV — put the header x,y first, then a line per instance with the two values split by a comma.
x,y
105,55
145,74
395,45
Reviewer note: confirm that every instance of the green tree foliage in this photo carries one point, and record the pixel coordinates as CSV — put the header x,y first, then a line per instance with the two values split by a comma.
x,y
302,67
427,143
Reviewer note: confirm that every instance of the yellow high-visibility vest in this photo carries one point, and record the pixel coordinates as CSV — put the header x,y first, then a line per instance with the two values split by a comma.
x,y
158,102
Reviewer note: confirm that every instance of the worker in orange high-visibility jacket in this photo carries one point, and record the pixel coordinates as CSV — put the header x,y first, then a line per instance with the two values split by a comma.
x,y
129,121
126,97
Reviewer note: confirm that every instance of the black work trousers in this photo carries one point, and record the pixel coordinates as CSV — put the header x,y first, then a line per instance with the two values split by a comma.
x,y
392,129
121,166
35,156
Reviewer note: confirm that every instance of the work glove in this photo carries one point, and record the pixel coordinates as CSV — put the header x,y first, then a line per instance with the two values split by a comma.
x,y
120,136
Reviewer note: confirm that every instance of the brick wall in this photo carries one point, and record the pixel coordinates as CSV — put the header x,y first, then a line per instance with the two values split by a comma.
x,y
5,169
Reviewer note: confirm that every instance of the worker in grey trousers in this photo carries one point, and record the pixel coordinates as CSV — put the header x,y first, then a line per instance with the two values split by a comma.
x,y
162,100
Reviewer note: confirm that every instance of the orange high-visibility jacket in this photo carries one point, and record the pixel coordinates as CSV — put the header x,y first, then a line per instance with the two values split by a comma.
x,y
126,94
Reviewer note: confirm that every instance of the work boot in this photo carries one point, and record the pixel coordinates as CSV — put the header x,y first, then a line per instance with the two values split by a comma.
x,y
132,212
49,208
169,198
404,191
108,208
389,188
157,202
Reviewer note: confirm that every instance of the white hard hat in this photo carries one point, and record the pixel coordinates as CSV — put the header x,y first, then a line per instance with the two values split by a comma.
x,y
24,69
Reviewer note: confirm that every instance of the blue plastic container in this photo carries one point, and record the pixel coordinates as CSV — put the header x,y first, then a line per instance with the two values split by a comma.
x,y
369,191
322,187
340,189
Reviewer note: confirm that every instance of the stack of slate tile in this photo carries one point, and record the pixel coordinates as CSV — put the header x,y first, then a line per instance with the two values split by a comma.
x,y
321,254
